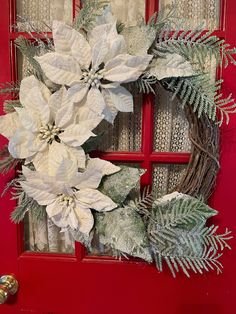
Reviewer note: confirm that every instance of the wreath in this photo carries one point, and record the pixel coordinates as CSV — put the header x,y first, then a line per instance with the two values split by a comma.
x,y
85,75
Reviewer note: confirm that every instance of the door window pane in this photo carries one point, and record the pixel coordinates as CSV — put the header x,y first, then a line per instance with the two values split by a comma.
x,y
170,124
128,11
125,134
198,12
44,237
166,177
41,13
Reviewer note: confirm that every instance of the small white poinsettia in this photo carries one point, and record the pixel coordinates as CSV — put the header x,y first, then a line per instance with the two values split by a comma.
x,y
94,67
47,128
69,196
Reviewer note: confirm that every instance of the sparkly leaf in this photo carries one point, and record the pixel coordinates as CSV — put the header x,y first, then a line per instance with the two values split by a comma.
x,y
124,230
119,185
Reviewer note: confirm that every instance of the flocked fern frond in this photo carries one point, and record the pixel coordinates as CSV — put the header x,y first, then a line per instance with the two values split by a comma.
x,y
208,236
29,50
10,88
145,84
183,211
197,263
24,202
195,46
179,237
86,17
10,105
7,162
204,97
165,17
143,203
27,204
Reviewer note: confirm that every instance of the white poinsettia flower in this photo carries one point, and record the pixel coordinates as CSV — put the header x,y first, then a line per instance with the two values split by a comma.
x,y
48,130
94,67
69,196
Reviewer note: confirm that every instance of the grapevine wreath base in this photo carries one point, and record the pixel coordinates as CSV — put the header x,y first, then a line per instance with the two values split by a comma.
x,y
84,75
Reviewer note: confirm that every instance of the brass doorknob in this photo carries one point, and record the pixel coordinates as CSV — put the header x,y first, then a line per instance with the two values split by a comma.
x,y
8,286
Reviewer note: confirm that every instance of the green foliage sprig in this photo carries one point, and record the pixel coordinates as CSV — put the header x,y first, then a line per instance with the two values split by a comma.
x,y
87,14
10,88
7,162
24,202
29,50
178,235
203,95
195,46
10,105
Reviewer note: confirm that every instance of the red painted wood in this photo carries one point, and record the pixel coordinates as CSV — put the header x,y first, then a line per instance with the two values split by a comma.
x,y
52,283
8,231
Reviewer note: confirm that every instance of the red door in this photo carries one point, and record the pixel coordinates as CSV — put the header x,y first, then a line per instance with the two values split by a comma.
x,y
85,284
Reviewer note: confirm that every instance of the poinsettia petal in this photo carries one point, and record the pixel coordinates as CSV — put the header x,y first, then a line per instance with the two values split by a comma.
x,y
77,92
68,41
88,118
96,168
50,160
94,199
29,120
60,184
81,51
66,172
28,84
95,101
76,135
38,191
34,97
9,124
85,219
54,208
90,178
126,68
65,116
60,69
110,111
57,100
122,99
115,42
24,144
99,52
60,221
106,167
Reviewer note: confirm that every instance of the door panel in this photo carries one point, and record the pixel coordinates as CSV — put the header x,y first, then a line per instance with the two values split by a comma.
x,y
86,284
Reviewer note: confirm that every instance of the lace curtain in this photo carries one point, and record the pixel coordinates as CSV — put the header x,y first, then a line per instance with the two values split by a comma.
x,y
40,13
170,125
199,12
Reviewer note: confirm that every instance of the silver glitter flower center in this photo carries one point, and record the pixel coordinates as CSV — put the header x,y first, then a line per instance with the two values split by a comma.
x,y
66,200
48,132
93,78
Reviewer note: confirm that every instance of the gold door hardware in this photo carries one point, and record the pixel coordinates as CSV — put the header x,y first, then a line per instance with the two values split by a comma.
x,y
8,286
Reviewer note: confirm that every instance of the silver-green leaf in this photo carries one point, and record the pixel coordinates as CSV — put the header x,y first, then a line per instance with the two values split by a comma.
x,y
117,186
123,229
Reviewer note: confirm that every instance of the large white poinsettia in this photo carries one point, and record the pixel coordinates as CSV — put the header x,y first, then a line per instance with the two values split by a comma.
x,y
69,196
94,67
46,129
